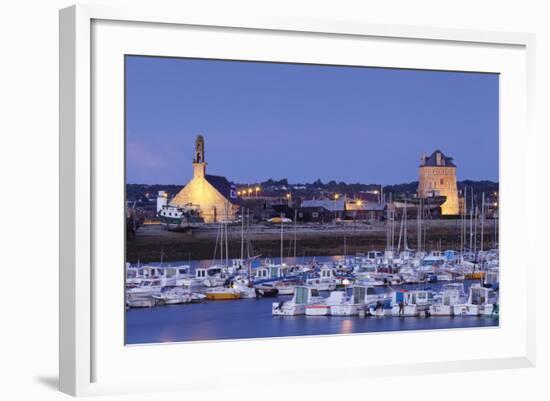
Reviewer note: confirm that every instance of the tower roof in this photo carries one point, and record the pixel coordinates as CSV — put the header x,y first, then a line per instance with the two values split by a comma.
x,y
432,160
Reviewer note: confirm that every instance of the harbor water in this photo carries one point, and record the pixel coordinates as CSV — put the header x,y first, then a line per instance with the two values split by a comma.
x,y
251,318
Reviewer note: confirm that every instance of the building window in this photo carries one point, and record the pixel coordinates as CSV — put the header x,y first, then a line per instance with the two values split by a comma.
x,y
442,181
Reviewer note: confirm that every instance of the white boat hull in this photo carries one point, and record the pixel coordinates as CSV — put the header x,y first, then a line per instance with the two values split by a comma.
x,y
466,310
441,310
287,310
285,290
317,310
140,302
408,311
344,310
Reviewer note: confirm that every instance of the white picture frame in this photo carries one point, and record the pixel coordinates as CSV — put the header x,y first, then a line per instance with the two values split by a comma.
x,y
82,319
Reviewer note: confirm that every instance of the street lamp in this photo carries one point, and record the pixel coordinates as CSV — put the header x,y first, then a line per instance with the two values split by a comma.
x,y
249,191
336,196
257,190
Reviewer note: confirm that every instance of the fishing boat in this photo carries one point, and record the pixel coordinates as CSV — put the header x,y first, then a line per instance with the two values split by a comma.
x,y
353,304
323,308
266,290
325,281
174,296
451,295
146,288
139,302
481,301
286,287
180,218
213,276
303,296
242,285
410,303
222,294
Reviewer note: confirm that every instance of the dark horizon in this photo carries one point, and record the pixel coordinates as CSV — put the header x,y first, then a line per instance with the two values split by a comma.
x,y
304,122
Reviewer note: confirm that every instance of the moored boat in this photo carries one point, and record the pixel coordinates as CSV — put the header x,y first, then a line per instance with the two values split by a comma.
x,y
323,308
303,296
222,294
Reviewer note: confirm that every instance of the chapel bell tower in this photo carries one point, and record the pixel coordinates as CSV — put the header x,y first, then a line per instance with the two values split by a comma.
x,y
199,163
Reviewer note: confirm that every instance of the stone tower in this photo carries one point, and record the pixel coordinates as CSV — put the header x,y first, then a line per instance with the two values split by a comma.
x,y
199,162
437,177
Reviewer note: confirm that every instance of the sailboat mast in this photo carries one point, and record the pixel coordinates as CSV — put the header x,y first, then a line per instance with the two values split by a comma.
x,y
392,223
295,223
221,242
226,246
388,228
419,226
405,245
476,218
471,219
281,239
249,261
482,219
400,233
242,235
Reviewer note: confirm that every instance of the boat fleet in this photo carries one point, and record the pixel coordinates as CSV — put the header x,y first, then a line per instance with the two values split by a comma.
x,y
379,284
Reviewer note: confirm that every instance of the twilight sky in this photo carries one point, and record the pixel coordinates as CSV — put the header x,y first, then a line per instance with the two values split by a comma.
x,y
303,122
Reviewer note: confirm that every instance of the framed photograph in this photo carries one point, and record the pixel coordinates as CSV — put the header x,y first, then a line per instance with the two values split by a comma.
x,y
305,199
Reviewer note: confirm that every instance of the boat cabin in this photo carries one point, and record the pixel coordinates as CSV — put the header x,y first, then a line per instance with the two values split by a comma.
x,y
150,283
271,271
171,272
150,272
414,297
358,295
491,278
327,273
433,260
479,295
201,272
303,295
375,255
451,296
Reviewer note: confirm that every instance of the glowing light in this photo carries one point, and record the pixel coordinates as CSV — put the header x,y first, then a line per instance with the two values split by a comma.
x,y
288,196
495,204
239,193
257,189
345,281
359,203
249,190
336,196
376,192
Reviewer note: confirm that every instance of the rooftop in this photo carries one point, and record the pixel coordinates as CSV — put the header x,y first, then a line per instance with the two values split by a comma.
x,y
437,159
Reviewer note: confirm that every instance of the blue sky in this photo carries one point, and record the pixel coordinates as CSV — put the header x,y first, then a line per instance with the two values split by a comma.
x,y
304,122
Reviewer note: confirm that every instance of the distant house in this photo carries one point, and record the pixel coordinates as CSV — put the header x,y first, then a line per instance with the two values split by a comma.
x,y
215,196
314,214
363,210
336,207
